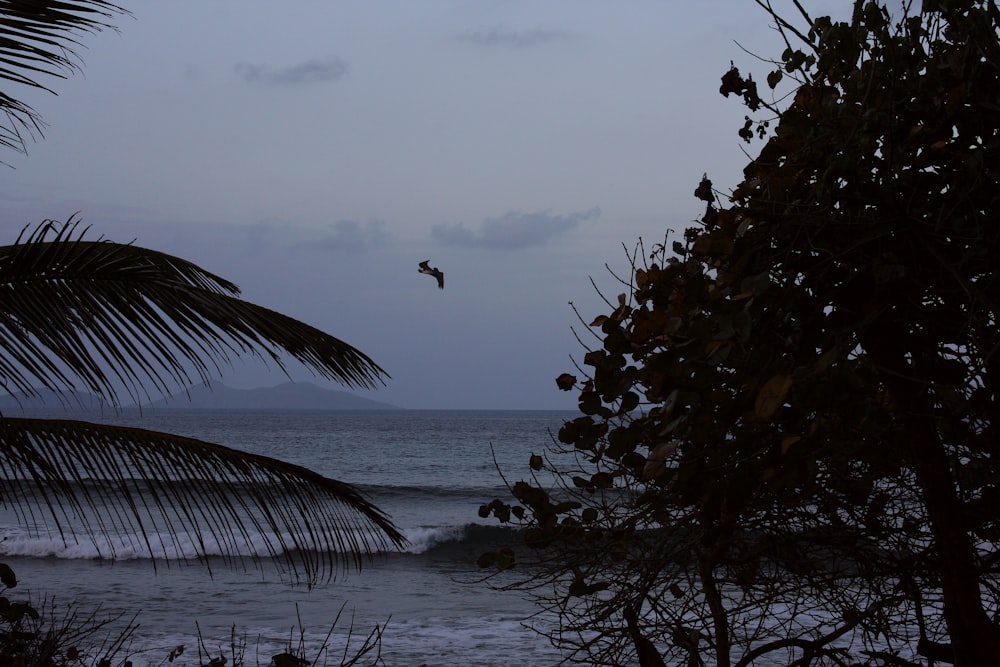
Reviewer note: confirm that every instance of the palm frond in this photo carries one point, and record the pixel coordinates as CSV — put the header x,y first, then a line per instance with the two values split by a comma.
x,y
116,317
133,491
38,40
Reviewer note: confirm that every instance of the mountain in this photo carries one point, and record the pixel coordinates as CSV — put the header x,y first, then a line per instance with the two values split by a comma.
x,y
287,396
49,401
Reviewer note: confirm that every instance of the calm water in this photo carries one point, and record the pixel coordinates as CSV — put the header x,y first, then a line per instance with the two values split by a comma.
x,y
430,470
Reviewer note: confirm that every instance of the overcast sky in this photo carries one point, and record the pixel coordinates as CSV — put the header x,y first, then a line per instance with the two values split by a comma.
x,y
315,151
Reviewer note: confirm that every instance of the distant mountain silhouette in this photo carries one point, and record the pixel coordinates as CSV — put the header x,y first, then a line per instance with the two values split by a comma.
x,y
49,401
287,396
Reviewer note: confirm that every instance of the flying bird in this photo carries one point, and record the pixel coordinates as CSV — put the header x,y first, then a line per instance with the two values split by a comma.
x,y
425,267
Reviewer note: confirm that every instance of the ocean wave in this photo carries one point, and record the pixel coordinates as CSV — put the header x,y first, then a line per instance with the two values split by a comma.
x,y
449,539
29,491
439,541
165,546
389,491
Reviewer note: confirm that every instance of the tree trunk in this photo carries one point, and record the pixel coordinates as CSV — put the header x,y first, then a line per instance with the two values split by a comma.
x,y
720,615
975,640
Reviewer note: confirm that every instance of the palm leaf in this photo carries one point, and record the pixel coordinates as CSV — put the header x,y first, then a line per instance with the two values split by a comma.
x,y
37,40
109,317
164,495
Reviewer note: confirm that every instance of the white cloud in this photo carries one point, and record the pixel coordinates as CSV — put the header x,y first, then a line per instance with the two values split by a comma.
x,y
311,71
351,236
499,36
513,230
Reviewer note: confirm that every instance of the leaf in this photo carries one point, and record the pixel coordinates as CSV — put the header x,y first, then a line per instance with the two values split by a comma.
x,y
773,79
318,523
288,660
713,244
7,577
630,401
717,351
566,381
787,442
772,395
672,425
537,538
590,403
755,284
41,39
566,506
704,190
602,480
657,458
113,316
669,403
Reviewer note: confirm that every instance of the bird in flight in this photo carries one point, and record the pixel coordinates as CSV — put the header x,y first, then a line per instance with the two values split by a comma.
x,y
425,267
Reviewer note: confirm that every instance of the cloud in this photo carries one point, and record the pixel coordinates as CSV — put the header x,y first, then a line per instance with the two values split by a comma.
x,y
504,37
513,230
351,236
311,71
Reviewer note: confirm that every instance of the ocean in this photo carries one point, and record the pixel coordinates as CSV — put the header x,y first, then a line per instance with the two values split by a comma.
x,y
429,470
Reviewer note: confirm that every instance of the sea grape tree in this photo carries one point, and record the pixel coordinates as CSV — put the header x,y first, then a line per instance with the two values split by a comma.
x,y
786,443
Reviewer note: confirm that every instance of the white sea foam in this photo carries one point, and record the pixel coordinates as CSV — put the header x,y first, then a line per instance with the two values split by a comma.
x,y
429,471
423,539
159,546
164,546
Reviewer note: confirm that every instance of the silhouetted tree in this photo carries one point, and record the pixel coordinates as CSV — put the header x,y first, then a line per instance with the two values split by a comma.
x,y
120,321
788,436
117,320
38,40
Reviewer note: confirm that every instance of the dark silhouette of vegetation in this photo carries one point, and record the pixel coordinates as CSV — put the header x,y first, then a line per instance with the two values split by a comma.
x,y
52,636
788,441
58,636
38,41
117,320
120,321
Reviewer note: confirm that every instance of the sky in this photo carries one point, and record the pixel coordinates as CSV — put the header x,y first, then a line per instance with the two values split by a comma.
x,y
315,152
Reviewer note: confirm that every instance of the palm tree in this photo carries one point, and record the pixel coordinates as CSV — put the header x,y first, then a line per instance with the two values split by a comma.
x,y
120,321
117,320
37,40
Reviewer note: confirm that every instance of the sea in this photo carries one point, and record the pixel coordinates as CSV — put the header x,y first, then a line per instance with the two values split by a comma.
x,y
426,605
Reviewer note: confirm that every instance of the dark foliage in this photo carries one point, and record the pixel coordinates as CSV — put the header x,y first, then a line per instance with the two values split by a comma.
x,y
788,431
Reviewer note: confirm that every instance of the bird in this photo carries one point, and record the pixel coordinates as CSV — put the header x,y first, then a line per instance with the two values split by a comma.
x,y
425,267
